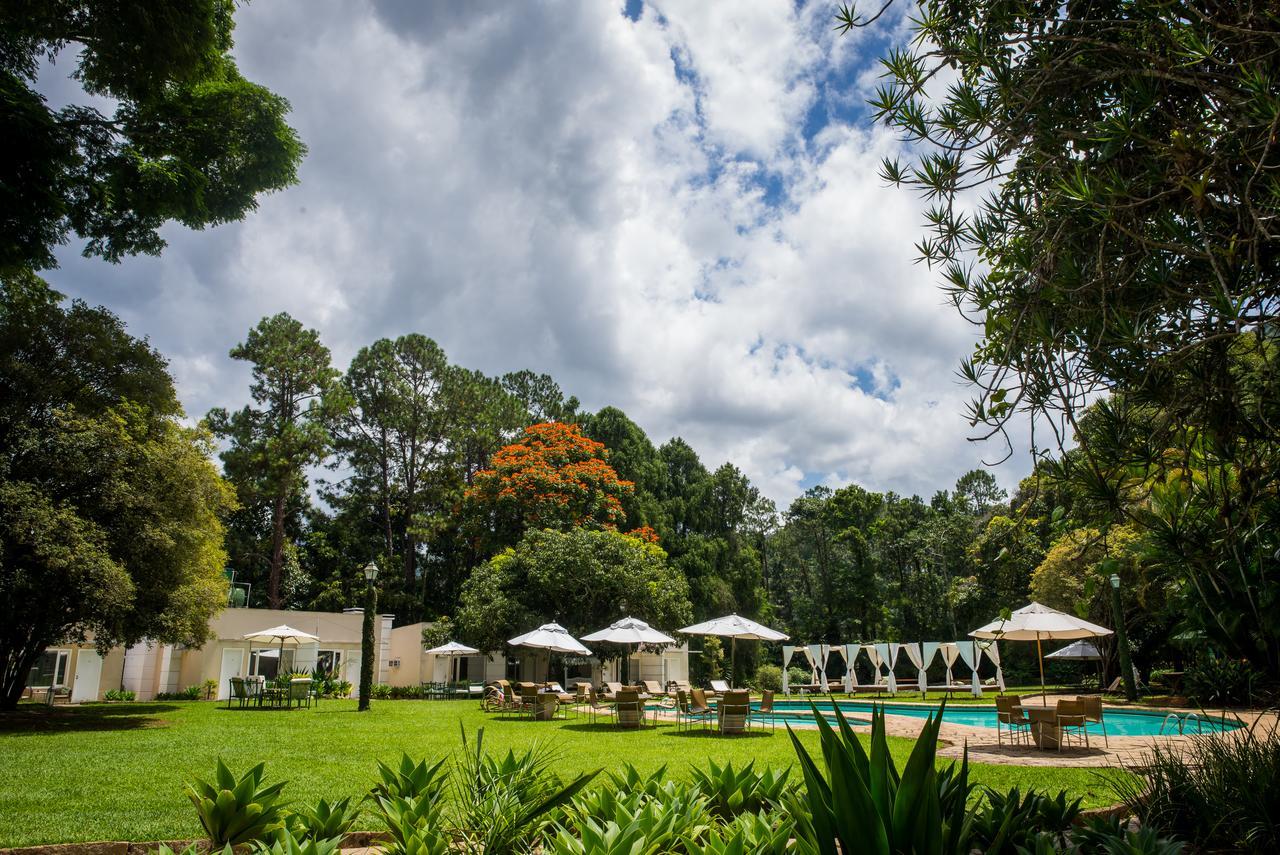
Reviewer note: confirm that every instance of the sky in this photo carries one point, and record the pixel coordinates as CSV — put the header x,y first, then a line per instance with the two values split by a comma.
x,y
671,207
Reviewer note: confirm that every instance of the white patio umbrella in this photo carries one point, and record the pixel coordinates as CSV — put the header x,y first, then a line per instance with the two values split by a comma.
x,y
630,630
1038,623
282,634
735,627
453,650
1079,650
551,637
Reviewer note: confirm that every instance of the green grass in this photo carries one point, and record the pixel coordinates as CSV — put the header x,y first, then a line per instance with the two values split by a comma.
x,y
116,772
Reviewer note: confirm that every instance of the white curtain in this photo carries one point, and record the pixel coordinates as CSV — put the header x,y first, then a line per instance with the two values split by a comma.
x,y
929,649
843,650
969,653
851,659
816,665
874,655
949,653
888,654
787,651
993,652
913,653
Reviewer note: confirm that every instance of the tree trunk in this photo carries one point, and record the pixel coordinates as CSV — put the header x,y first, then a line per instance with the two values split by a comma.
x,y
277,554
14,674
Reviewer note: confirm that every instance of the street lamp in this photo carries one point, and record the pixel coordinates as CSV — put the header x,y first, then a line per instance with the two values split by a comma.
x,y
367,640
1122,640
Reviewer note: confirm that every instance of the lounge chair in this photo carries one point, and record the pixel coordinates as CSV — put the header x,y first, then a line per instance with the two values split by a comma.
x,y
1010,715
1070,719
1091,705
674,686
611,690
733,711
629,709
719,686
651,687
766,708
952,689
807,688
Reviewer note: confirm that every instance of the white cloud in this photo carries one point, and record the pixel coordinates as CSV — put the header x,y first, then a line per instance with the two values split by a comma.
x,y
549,190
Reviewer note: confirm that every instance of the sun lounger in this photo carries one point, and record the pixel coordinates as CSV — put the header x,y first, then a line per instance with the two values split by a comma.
x,y
651,687
719,686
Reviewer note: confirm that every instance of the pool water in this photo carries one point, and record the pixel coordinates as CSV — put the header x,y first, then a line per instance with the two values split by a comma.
x,y
1119,722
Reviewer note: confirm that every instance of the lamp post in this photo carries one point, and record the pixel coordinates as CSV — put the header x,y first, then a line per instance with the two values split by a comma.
x,y
1122,640
367,640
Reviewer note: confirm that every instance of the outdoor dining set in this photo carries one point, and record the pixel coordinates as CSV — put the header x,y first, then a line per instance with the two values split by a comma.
x,y
260,693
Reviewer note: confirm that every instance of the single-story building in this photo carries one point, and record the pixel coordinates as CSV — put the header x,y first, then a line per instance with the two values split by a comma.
x,y
148,669
410,665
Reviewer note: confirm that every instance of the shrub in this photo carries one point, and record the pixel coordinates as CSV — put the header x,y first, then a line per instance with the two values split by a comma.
x,y
237,810
1219,791
731,792
400,693
190,693
119,695
324,821
380,692
1219,681
796,677
208,689
769,678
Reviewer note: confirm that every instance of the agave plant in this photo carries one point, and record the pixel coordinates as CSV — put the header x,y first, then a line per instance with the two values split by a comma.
x,y
637,825
324,820
863,804
732,792
414,823
749,834
1111,836
411,779
234,811
1005,822
285,843
502,803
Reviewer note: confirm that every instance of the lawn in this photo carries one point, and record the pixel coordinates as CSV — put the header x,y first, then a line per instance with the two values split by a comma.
x,y
116,772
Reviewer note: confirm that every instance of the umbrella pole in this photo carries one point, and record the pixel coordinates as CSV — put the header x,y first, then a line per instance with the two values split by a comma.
x,y
1040,656
733,658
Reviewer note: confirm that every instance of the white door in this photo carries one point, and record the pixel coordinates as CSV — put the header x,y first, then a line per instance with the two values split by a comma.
x,y
88,676
352,671
232,665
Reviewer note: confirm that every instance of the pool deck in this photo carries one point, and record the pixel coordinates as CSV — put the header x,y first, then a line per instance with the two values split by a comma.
x,y
1122,751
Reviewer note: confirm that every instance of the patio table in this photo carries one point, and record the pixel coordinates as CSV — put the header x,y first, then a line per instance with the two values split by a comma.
x,y
274,697
1045,732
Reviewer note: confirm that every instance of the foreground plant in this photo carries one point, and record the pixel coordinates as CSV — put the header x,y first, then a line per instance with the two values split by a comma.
x,y
234,811
863,804
324,819
732,792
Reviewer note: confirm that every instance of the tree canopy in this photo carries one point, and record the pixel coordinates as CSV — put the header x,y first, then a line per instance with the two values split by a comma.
x,y
109,508
189,138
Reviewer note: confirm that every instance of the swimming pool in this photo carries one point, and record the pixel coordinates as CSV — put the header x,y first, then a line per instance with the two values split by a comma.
x,y
1119,722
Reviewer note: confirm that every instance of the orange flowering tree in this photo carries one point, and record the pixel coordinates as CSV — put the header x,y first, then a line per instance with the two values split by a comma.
x,y
553,477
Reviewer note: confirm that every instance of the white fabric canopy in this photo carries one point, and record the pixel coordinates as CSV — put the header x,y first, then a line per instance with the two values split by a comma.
x,y
992,649
887,654
969,653
1036,622
787,652
913,653
818,664
282,634
851,659
734,627
550,636
950,652
453,648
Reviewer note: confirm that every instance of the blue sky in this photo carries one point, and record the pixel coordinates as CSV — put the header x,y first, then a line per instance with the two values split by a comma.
x,y
672,208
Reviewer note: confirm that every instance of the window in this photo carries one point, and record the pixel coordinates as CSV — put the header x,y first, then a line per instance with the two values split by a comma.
x,y
270,661
329,662
50,669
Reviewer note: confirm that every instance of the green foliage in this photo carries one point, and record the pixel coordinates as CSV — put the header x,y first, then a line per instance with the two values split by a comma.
x,y
414,823
325,820
798,676
501,802
187,138
109,506
637,822
1111,836
731,792
119,695
237,810
411,780
602,572
865,804
190,693
1217,681
748,834
768,679
1220,792
380,692
283,842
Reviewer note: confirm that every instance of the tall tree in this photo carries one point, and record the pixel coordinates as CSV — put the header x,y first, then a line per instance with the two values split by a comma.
x,y
271,445
188,139
109,507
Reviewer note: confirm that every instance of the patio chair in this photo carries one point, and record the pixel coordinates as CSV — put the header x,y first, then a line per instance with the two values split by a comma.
x,y
597,706
766,708
719,686
1010,716
1071,720
629,709
238,693
299,692
611,690
674,686
651,687
1091,705
699,708
496,698
733,710
255,687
